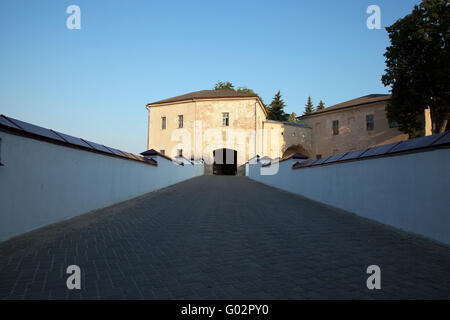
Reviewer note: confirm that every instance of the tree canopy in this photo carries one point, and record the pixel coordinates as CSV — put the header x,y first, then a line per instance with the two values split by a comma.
x,y
320,106
292,117
220,85
418,67
309,108
227,85
275,111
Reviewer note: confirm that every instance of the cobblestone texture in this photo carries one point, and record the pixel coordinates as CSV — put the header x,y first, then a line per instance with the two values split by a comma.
x,y
222,238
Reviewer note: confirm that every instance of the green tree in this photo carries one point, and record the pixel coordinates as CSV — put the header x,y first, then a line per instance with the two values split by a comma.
x,y
275,109
418,67
320,106
220,85
292,117
309,108
245,90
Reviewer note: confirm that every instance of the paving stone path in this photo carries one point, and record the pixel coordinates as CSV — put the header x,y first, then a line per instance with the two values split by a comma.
x,y
223,237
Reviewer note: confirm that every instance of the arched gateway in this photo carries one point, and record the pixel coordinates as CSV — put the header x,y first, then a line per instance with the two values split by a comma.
x,y
295,149
225,162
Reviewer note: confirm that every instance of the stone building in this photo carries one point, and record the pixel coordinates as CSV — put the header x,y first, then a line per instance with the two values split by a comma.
x,y
220,126
227,128
355,124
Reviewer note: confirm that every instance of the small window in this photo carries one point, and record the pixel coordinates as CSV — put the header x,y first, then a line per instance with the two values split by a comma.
x,y
179,152
318,156
393,124
369,122
162,151
163,123
335,127
225,119
180,121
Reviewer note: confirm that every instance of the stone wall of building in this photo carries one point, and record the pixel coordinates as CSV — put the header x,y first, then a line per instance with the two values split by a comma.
x,y
203,131
353,133
283,139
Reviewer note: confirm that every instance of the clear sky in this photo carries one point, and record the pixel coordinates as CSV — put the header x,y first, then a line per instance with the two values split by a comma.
x,y
94,82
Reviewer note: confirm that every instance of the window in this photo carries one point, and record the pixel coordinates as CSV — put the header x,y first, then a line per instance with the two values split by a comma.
x,y
180,121
369,122
335,127
163,123
393,124
179,152
225,119
162,151
318,156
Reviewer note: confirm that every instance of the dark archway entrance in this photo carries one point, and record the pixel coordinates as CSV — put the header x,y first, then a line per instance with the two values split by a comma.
x,y
225,162
295,149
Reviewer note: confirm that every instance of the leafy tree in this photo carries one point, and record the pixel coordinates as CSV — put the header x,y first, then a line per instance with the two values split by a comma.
x,y
292,117
320,106
245,90
309,108
418,67
224,85
227,85
275,109
220,85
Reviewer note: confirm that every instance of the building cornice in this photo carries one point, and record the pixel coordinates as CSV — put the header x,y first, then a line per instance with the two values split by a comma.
x,y
364,104
152,105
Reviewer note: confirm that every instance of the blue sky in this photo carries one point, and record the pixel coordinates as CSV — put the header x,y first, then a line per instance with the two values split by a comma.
x,y
94,82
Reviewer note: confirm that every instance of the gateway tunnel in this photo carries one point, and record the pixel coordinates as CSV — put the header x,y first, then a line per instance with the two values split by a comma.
x,y
225,162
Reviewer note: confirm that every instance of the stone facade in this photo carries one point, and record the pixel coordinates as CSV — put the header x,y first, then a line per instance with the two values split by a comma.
x,y
214,121
362,123
203,131
290,138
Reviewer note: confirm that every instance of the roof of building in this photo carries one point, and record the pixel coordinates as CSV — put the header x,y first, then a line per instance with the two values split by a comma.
x,y
371,98
207,94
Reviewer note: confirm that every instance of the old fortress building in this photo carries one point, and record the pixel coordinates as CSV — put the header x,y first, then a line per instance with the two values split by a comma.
x,y
233,126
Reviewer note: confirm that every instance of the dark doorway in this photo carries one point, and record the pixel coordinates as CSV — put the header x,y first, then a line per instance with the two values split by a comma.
x,y
225,162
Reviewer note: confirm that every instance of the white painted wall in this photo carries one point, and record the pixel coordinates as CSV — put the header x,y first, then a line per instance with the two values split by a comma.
x,y
44,183
410,191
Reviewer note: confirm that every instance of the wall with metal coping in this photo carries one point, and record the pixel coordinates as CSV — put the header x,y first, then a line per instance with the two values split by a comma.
x,y
45,180
405,185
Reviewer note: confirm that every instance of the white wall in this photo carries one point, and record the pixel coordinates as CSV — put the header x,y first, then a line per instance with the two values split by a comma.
x,y
43,183
410,191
